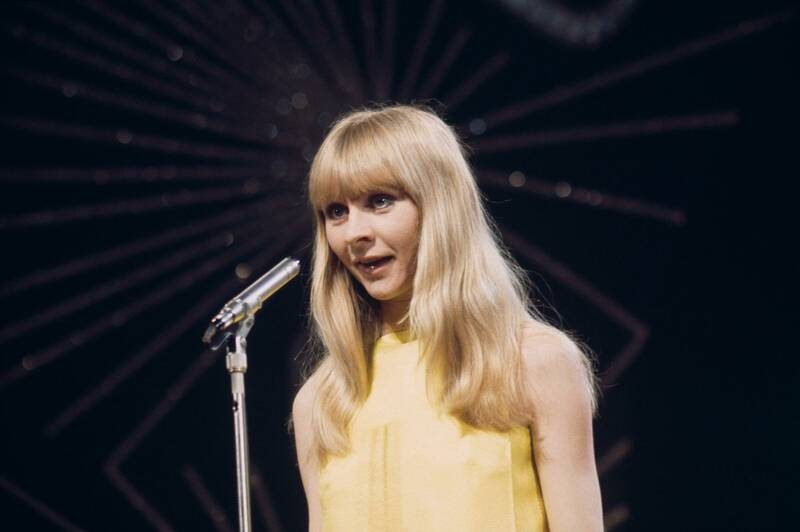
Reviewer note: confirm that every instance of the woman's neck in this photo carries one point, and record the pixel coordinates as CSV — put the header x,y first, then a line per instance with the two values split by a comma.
x,y
393,313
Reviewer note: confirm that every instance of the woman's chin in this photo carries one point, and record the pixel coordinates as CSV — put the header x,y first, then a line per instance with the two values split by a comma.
x,y
386,293
381,295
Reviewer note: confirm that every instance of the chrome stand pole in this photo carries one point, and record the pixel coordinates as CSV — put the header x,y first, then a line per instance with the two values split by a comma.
x,y
236,362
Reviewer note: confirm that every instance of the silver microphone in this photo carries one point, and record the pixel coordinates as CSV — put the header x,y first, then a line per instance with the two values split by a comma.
x,y
249,301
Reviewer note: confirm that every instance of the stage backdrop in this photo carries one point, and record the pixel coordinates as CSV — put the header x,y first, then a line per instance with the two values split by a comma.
x,y
636,156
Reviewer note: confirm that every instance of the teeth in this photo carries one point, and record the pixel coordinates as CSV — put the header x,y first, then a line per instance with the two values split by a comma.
x,y
374,264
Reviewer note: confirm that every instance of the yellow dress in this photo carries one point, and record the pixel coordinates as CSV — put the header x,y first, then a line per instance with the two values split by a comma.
x,y
415,469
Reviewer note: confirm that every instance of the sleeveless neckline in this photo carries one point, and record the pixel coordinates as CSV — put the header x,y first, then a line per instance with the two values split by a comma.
x,y
395,338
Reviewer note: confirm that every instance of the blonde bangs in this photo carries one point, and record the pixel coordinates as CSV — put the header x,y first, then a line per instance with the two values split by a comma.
x,y
354,161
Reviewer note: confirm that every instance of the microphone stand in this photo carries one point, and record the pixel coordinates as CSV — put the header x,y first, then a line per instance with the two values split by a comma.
x,y
240,312
236,362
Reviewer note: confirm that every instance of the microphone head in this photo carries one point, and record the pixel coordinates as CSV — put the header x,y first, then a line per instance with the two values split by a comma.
x,y
215,338
209,334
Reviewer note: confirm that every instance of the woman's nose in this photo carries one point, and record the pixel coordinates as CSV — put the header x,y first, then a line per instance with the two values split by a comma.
x,y
359,227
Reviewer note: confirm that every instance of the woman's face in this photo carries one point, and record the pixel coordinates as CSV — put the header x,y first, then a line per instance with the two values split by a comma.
x,y
375,236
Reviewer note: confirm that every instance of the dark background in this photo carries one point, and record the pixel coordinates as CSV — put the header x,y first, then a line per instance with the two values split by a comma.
x,y
153,160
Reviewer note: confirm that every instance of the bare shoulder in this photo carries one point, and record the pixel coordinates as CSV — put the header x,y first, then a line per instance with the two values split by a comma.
x,y
545,348
303,404
304,399
556,368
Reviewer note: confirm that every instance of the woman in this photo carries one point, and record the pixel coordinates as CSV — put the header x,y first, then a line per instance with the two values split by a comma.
x,y
442,400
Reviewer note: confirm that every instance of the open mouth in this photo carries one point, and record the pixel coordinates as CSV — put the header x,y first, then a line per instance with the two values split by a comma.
x,y
374,265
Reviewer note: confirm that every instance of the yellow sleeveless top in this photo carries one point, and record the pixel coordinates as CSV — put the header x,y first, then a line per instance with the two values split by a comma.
x,y
414,468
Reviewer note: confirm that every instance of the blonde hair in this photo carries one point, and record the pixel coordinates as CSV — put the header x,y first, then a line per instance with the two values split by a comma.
x,y
470,299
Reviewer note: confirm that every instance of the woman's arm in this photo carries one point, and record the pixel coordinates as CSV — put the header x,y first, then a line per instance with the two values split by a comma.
x,y
301,420
563,448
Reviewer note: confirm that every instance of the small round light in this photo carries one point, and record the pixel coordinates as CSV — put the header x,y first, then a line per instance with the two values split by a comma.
x,y
243,270
299,100
563,189
477,126
124,136
174,53
517,179
69,89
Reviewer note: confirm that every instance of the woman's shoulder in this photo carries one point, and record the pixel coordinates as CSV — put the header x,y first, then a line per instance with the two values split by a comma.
x,y
554,363
304,398
544,345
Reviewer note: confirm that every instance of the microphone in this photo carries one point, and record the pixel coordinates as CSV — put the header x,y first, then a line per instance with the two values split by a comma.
x,y
249,301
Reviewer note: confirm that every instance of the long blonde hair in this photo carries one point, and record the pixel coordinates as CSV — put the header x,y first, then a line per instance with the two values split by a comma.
x,y
470,298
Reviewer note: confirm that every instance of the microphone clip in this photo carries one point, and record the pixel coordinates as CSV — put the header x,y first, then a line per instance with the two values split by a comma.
x,y
220,333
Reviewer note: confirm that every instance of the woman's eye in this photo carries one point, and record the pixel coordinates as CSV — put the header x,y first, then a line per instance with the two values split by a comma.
x,y
335,211
382,200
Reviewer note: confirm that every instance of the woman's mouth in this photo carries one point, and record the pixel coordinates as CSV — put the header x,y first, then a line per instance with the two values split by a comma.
x,y
374,266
